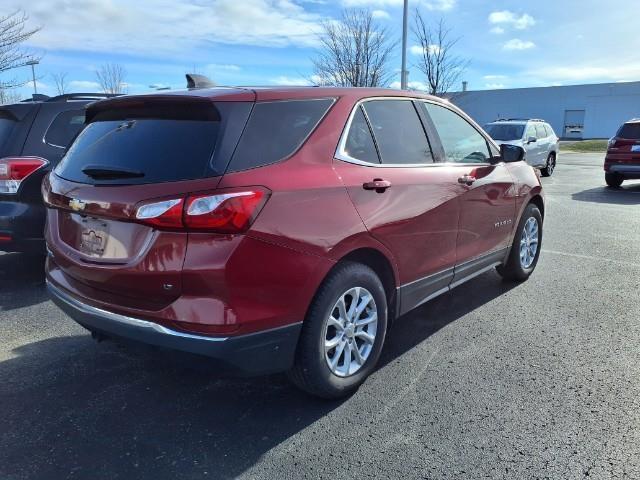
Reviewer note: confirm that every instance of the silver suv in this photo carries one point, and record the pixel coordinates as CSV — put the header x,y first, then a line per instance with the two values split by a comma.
x,y
536,136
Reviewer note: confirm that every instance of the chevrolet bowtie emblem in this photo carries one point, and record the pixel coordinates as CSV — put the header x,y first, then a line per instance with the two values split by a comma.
x,y
76,204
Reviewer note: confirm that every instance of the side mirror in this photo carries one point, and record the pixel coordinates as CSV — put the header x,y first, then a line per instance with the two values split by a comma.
x,y
511,153
532,139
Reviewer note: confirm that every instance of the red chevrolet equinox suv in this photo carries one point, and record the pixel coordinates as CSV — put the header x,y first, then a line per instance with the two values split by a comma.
x,y
280,229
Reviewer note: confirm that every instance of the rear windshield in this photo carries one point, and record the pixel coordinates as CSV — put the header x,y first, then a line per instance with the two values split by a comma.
x,y
504,131
630,131
154,145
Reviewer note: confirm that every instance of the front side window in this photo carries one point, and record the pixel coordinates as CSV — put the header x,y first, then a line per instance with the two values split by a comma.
x,y
398,132
462,143
64,128
531,132
540,131
359,143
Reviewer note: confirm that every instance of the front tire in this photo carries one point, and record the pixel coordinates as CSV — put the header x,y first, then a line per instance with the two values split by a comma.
x,y
525,250
613,180
550,166
343,333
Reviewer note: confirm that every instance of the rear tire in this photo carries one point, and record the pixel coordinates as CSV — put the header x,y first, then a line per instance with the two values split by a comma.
x,y
613,180
312,370
547,171
522,259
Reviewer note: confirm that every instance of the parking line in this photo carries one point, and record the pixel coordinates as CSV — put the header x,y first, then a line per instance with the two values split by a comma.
x,y
590,257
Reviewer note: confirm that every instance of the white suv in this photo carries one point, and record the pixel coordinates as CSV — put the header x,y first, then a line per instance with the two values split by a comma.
x,y
538,139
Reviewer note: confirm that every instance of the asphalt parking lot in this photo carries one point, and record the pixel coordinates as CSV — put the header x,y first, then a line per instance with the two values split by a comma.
x,y
492,380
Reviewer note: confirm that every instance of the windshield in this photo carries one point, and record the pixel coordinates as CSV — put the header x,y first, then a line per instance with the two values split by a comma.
x,y
504,131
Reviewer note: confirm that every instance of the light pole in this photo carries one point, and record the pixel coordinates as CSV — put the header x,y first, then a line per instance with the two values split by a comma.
x,y
403,73
33,64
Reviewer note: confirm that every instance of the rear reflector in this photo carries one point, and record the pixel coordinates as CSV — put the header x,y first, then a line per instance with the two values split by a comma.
x,y
224,212
13,170
5,238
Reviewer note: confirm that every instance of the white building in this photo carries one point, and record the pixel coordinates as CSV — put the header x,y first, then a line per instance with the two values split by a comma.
x,y
574,111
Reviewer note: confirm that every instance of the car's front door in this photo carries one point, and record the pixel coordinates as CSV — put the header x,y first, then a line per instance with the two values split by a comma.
x,y
532,146
486,191
406,201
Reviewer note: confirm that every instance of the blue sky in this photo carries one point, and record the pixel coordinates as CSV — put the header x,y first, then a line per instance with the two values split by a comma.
x,y
269,42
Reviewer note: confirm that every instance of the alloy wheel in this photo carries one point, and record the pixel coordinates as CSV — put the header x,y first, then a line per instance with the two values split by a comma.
x,y
529,242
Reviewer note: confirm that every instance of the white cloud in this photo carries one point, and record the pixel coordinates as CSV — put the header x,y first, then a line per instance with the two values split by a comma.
x,y
441,5
584,73
497,30
494,77
434,5
84,86
291,81
505,17
222,66
380,14
418,50
493,86
412,86
517,44
162,26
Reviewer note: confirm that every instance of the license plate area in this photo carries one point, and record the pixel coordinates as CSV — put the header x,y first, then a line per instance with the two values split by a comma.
x,y
94,234
635,148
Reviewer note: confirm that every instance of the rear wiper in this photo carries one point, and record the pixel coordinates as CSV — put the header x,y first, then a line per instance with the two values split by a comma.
x,y
106,172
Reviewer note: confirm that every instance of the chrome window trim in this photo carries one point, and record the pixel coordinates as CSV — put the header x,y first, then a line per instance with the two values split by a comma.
x,y
44,135
341,154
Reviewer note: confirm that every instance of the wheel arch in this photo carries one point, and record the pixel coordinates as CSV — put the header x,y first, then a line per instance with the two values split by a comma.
x,y
538,202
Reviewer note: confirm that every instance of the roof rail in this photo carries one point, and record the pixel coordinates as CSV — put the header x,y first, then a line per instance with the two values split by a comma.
x,y
525,119
195,80
81,96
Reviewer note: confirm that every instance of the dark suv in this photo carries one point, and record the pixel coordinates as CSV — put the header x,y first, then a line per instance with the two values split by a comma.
x,y
281,229
34,135
622,161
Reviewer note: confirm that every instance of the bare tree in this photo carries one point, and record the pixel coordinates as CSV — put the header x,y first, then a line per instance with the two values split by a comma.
x,y
60,81
13,33
111,77
354,52
438,62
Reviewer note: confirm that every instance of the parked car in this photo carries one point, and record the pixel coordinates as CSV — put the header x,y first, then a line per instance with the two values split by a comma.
x,y
34,135
281,229
538,139
622,161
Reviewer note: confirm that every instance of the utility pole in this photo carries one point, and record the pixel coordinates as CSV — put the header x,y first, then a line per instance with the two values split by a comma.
x,y
33,63
404,75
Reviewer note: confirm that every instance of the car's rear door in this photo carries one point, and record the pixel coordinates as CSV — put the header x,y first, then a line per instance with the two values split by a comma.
x,y
404,198
486,191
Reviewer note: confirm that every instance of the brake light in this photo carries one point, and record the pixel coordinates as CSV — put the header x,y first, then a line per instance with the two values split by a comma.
x,y
228,212
167,213
13,170
232,212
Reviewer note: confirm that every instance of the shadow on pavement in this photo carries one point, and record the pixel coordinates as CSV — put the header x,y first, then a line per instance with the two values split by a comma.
x,y
74,409
628,194
21,280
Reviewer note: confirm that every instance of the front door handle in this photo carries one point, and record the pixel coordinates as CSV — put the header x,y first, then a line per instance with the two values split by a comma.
x,y
467,179
378,184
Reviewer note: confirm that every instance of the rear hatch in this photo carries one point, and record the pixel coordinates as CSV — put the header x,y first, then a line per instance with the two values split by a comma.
x,y
625,146
136,152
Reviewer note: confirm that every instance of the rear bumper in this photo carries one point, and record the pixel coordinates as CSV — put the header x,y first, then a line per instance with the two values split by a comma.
x,y
23,223
625,170
258,353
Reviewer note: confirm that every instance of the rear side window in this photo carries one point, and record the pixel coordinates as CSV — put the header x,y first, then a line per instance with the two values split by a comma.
x,y
6,127
540,131
359,144
64,128
630,131
398,132
275,130
462,143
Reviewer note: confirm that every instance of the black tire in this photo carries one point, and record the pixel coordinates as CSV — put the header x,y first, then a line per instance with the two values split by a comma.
x,y
513,269
311,372
613,180
547,171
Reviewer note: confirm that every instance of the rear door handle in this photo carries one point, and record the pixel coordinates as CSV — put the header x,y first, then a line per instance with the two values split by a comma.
x,y
466,179
378,184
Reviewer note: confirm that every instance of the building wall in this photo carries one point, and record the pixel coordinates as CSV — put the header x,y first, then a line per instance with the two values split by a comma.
x,y
606,106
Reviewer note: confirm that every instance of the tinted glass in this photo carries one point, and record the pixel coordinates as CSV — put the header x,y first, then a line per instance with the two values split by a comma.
x,y
6,127
504,131
162,150
64,128
630,131
359,144
275,130
462,143
531,131
540,131
398,132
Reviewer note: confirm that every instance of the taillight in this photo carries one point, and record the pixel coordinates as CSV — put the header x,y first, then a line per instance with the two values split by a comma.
x,y
13,170
231,212
167,213
225,212
612,142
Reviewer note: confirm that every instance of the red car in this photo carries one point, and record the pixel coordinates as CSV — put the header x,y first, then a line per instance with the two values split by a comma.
x,y
623,155
281,229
